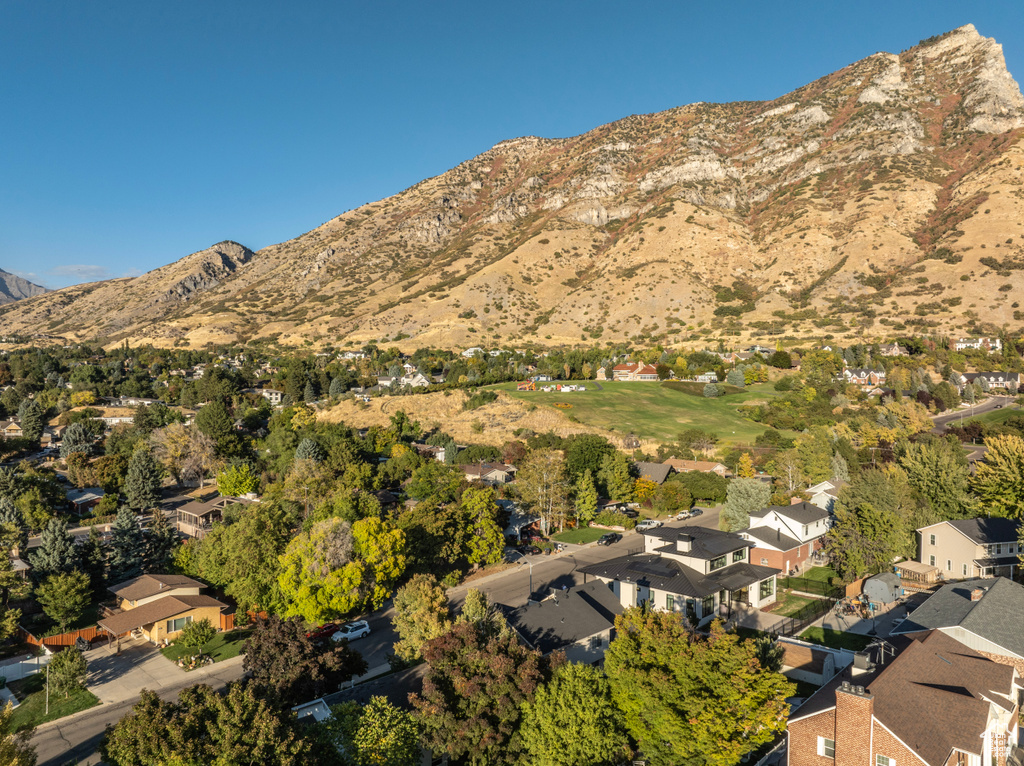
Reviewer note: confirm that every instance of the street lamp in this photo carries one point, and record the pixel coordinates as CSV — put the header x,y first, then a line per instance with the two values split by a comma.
x,y
529,564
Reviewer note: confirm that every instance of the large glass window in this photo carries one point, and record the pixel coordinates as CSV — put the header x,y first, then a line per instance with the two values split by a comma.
x,y
707,606
767,588
718,563
740,555
173,626
670,602
827,747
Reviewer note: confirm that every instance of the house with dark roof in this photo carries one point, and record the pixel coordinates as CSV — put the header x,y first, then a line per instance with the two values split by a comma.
x,y
158,607
937,703
701,572
986,614
787,536
964,548
579,621
656,472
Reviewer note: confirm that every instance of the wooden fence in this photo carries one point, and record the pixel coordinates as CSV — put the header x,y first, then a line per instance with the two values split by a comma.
x,y
62,639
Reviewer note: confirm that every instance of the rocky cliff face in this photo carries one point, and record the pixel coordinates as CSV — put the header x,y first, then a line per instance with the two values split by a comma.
x,y
14,288
880,199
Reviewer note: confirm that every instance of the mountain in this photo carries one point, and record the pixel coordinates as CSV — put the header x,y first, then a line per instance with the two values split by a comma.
x,y
14,288
883,198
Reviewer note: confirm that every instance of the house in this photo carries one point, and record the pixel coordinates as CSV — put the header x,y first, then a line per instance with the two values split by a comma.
x,y
825,493
983,614
430,451
541,378
196,519
978,344
704,466
82,500
579,621
964,548
893,349
1007,380
701,572
707,377
787,536
634,371
656,472
489,473
10,429
937,703
602,373
272,395
469,353
158,607
863,376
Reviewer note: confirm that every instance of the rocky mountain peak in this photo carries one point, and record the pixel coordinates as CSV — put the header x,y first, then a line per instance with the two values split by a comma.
x,y
14,288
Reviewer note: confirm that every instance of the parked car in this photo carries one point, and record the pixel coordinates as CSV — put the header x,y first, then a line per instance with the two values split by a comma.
x,y
629,513
352,631
696,512
608,539
648,524
529,550
324,631
682,515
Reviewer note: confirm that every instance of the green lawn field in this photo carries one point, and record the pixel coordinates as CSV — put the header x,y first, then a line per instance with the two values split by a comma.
x,y
651,411
994,416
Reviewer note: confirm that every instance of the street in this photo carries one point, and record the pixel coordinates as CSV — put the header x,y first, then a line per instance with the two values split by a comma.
x,y
958,415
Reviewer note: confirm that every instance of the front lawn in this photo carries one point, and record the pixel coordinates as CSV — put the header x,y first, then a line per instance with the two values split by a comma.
x,y
580,536
32,710
836,639
222,646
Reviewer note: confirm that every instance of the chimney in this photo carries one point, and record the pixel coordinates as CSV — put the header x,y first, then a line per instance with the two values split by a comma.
x,y
795,501
976,594
854,710
684,543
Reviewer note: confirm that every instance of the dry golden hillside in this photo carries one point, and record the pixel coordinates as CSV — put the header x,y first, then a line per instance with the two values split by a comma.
x,y
883,198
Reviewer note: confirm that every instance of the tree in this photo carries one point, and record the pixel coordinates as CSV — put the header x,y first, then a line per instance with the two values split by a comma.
x,y
421,614
161,540
710,697
214,420
999,479
31,416
770,653
76,439
736,378
617,477
780,360
56,552
745,467
712,390
237,480
484,537
475,682
378,734
338,387
573,722
94,561
289,667
15,749
814,454
126,551
238,728
64,597
840,468
309,393
142,482
586,498
938,471
544,487
744,496
308,449
585,452
196,634
11,517
67,671
671,498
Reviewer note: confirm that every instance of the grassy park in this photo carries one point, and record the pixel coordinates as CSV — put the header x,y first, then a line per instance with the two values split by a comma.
x,y
651,410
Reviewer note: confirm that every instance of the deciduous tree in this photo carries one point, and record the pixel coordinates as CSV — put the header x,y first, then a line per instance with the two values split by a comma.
x,y
999,480
586,498
421,614
64,597
67,671
15,749
237,480
744,497
196,634
543,486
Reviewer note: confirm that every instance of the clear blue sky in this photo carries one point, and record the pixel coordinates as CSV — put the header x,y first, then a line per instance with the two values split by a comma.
x,y
135,133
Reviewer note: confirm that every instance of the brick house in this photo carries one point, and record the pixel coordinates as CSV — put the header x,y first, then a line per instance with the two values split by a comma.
x,y
702,572
963,548
634,371
936,703
861,376
787,536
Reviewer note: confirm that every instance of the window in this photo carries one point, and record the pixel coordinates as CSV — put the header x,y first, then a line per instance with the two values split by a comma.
x,y
965,570
707,606
740,555
931,539
764,561
949,565
931,560
173,626
717,563
884,760
670,602
767,588
827,747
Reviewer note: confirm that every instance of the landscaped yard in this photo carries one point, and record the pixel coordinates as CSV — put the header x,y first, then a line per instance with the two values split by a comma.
x,y
32,710
650,410
821,574
788,604
580,536
222,646
836,639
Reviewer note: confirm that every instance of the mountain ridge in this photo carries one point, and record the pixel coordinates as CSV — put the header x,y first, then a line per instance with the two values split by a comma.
x,y
14,288
855,205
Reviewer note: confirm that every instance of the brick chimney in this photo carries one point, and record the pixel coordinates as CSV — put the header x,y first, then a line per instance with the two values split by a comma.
x,y
976,594
795,500
854,708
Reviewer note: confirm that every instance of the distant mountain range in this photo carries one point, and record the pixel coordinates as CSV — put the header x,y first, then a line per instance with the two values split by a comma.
x,y
883,199
14,288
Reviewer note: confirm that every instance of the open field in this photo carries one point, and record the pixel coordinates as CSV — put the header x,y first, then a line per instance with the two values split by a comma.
x,y
650,410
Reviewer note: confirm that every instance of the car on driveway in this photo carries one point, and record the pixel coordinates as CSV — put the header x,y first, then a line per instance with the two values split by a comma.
x,y
529,550
608,539
324,631
352,631
696,512
682,515
647,524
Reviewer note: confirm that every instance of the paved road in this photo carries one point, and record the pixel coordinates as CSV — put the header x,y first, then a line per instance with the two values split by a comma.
x,y
992,403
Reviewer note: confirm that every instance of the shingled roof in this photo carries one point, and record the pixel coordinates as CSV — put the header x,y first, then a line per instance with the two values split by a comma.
x,y
566,617
155,611
152,584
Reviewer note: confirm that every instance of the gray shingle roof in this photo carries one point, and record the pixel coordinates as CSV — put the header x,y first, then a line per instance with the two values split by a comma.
x,y
773,538
802,513
986,531
656,472
996,617
666,574
567,617
705,543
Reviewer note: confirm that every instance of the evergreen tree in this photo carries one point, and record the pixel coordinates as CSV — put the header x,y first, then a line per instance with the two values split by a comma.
x,y
161,541
94,561
586,497
840,469
77,439
31,416
9,482
308,449
744,496
337,387
309,393
127,548
142,482
11,517
56,553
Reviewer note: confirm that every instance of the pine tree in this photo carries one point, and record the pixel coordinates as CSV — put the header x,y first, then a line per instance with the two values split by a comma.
x,y
11,517
309,393
308,449
31,416
161,540
127,548
337,387
586,497
76,439
56,552
142,482
94,561
9,482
